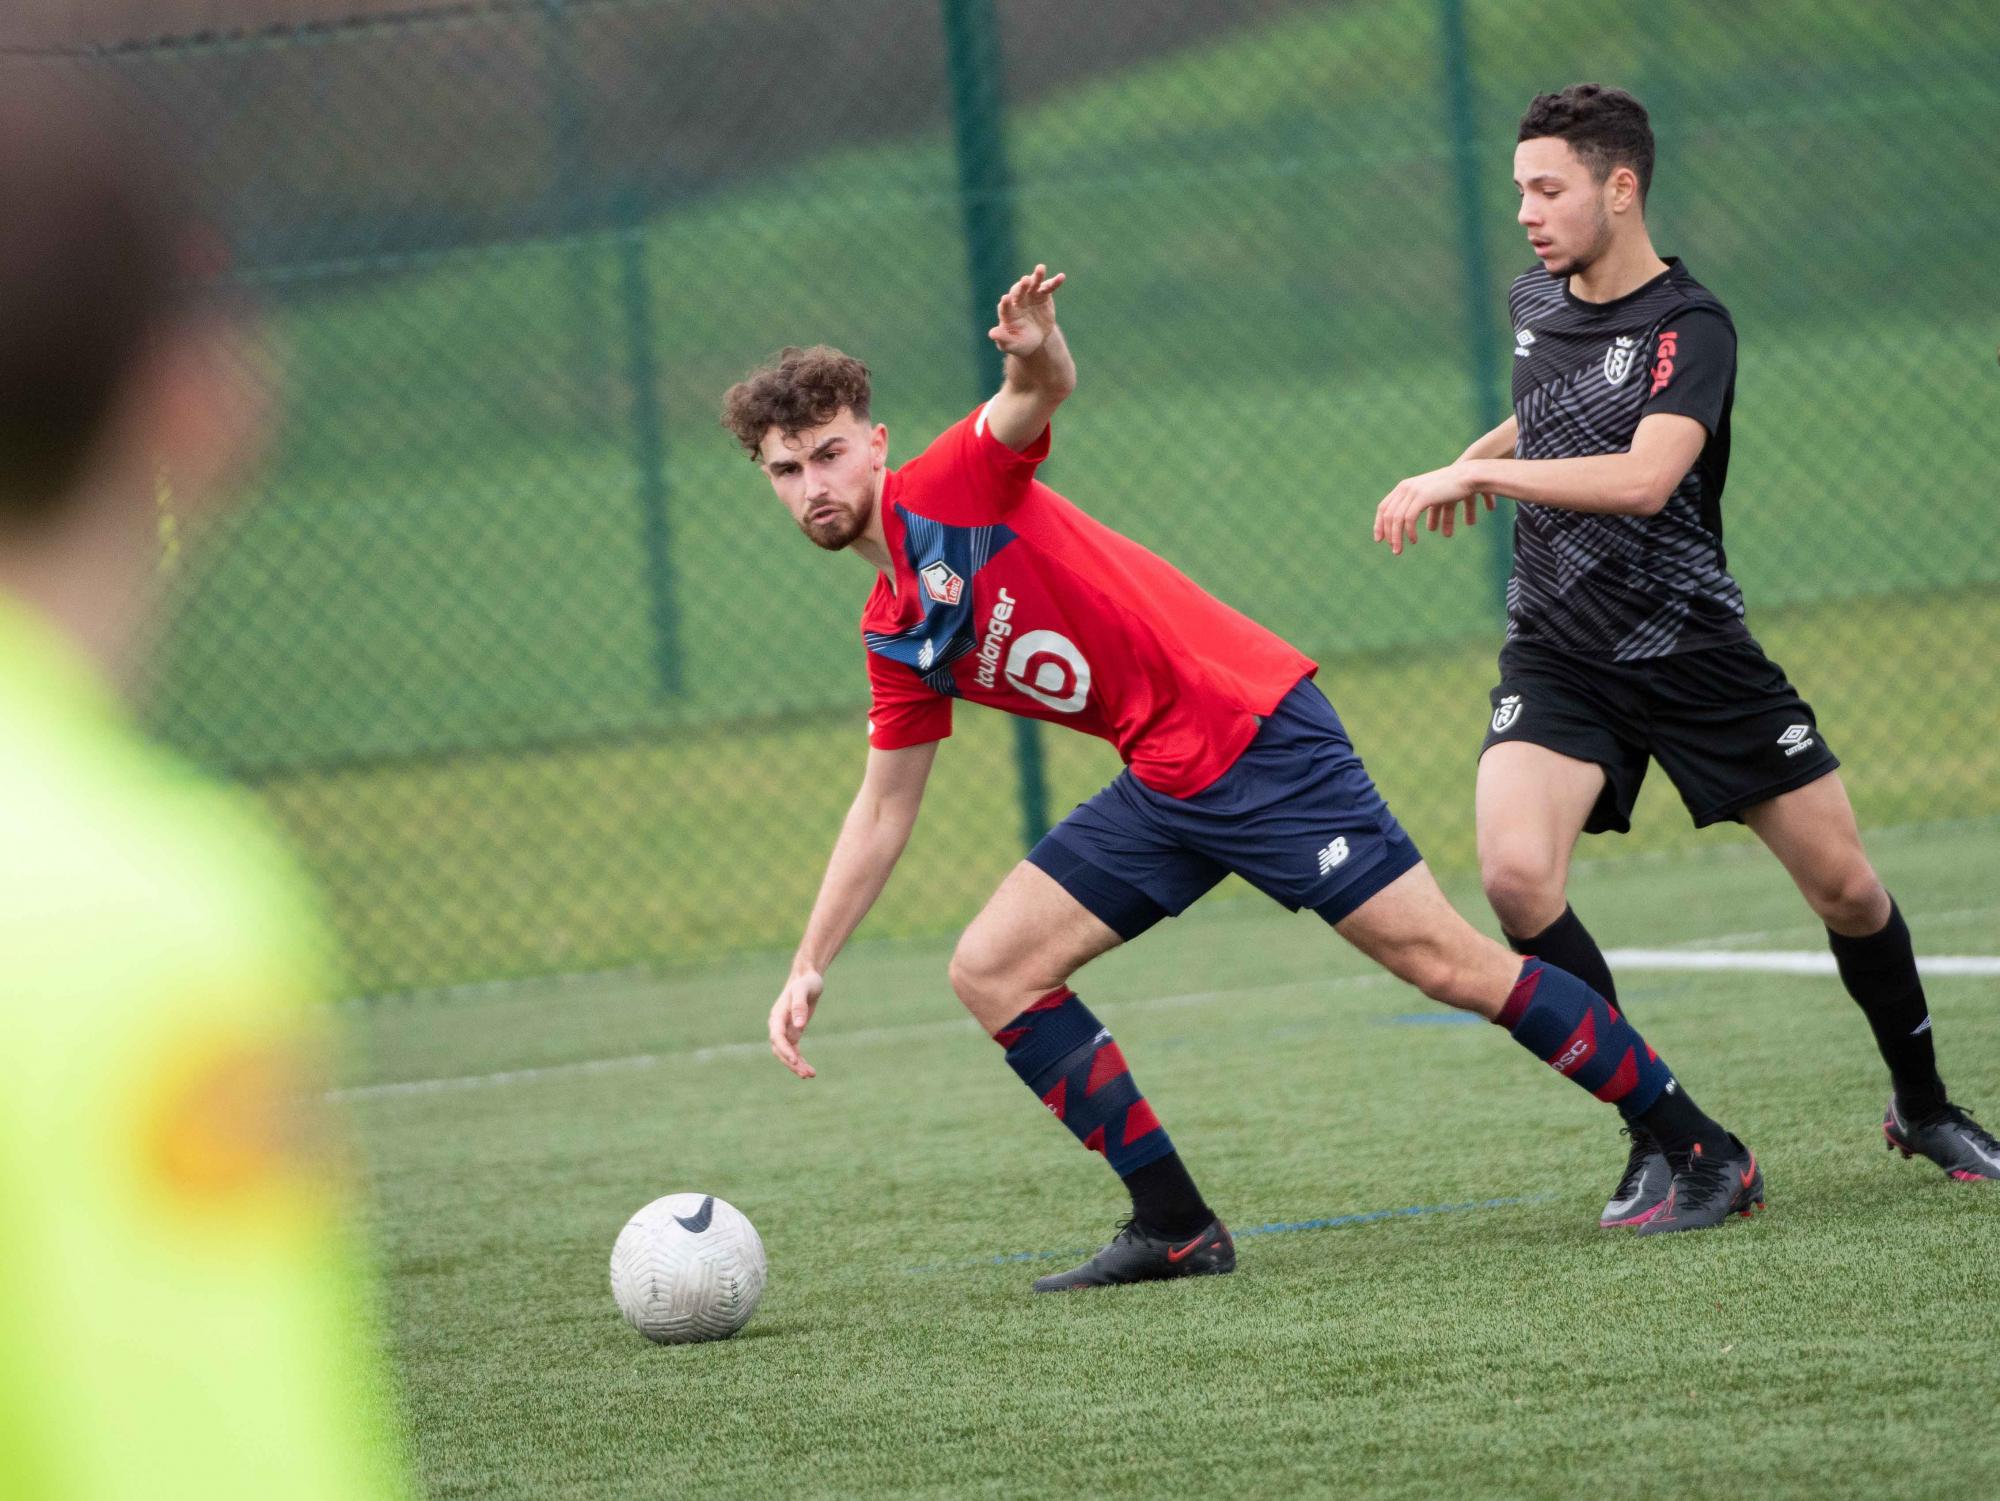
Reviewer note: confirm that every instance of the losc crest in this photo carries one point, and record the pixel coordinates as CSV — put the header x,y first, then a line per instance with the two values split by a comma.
x,y
942,584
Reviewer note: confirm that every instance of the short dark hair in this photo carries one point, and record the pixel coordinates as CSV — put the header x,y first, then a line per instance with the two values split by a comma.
x,y
794,390
95,246
1606,127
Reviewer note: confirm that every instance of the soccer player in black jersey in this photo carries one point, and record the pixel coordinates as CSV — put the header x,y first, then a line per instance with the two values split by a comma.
x,y
1625,633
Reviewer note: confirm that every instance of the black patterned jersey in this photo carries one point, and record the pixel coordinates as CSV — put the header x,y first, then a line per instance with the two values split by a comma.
x,y
1585,373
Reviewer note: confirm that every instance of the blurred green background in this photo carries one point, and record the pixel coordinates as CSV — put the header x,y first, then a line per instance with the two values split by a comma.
x,y
540,677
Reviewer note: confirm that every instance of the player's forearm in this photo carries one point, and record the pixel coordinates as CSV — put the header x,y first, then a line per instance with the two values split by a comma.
x,y
1497,444
871,842
1612,484
1048,374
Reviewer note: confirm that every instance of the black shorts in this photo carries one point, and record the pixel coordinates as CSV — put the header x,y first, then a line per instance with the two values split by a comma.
x,y
1723,722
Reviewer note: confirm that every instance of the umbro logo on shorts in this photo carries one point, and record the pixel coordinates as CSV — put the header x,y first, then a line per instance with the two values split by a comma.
x,y
1796,739
1508,714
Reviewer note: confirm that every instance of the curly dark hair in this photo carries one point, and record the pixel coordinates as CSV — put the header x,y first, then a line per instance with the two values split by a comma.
x,y
1606,127
795,390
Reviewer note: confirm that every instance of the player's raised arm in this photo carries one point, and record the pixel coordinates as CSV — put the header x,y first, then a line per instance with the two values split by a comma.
x,y
871,841
1040,372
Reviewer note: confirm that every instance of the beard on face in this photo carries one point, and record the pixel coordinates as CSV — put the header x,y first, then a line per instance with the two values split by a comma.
x,y
1600,241
839,531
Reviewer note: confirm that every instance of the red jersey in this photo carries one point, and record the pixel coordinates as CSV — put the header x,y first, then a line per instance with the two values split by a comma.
x,y
1008,595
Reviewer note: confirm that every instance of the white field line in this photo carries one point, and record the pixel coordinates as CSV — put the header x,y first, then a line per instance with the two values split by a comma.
x,y
819,1043
1926,922
1785,962
1736,961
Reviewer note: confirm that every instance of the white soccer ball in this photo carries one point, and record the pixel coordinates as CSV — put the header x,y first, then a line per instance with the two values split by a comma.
x,y
687,1267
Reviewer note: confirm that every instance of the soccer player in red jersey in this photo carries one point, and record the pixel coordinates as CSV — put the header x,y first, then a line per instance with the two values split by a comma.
x,y
992,588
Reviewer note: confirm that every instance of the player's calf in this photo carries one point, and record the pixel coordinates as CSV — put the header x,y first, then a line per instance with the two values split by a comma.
x,y
1074,1066
1583,1037
1412,931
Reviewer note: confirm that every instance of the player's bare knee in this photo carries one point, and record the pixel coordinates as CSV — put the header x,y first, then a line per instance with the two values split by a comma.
x,y
1524,888
1432,970
991,982
1849,899
971,971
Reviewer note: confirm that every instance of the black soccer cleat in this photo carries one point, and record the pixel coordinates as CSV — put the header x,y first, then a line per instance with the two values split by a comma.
x,y
1952,1139
1709,1190
1642,1192
1135,1256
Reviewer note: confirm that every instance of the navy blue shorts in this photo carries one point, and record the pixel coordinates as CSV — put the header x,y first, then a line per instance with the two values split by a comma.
x,y
1296,816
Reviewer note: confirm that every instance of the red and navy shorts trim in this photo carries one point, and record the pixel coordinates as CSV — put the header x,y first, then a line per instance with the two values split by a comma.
x,y
1296,816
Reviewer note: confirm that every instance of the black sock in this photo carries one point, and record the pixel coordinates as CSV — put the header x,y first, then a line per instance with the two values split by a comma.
x,y
1677,1124
1566,943
1165,1200
1880,972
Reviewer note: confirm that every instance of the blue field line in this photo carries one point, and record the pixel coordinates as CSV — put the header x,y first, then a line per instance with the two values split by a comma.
x,y
1275,1227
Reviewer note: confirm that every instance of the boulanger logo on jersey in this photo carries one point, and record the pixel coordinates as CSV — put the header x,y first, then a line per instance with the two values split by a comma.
x,y
1047,667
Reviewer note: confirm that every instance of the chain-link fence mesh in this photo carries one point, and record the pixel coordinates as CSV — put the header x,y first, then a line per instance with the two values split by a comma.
x,y
542,679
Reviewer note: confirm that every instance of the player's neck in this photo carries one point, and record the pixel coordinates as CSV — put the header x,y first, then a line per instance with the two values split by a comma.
x,y
1622,269
873,543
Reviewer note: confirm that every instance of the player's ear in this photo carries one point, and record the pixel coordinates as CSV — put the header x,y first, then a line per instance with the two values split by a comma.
x,y
878,446
1624,189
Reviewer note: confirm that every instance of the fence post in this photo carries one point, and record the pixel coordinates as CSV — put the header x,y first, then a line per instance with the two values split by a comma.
x,y
649,442
1482,313
986,201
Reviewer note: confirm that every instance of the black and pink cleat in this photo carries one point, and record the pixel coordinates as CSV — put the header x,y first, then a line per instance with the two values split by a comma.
x,y
1709,1190
1951,1138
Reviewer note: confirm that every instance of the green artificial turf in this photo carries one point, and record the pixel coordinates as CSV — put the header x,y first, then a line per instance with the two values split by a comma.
x,y
1846,1343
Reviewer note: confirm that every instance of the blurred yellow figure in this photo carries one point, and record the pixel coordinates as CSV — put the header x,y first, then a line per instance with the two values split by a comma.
x,y
179,1315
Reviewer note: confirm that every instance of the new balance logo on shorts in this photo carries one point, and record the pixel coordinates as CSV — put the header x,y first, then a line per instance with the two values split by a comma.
x,y
1797,738
1333,854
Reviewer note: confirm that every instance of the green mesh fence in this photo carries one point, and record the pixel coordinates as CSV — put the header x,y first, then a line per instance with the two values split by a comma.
x,y
541,677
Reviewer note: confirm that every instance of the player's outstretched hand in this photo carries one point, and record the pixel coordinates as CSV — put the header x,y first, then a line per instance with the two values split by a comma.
x,y
1436,497
1027,313
794,1008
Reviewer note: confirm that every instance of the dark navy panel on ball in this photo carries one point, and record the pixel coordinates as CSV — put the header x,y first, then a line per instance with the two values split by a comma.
x,y
1296,816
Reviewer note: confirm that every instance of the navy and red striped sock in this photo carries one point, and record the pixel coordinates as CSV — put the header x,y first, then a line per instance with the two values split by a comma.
x,y
1068,1058
1582,1036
